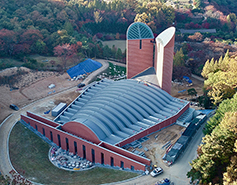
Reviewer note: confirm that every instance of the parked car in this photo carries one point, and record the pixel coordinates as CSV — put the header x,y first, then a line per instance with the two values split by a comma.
x,y
81,85
14,107
156,171
164,182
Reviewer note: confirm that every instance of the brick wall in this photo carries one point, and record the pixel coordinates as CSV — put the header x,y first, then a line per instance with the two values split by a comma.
x,y
138,59
84,148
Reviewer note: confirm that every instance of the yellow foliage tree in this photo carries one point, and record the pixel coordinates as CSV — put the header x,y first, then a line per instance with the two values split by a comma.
x,y
141,18
221,78
206,69
97,17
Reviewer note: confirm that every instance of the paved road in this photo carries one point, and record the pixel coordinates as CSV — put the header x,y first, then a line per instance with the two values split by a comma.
x,y
5,129
93,75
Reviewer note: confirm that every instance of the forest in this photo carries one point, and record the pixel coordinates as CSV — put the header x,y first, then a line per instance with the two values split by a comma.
x,y
217,155
77,27
39,26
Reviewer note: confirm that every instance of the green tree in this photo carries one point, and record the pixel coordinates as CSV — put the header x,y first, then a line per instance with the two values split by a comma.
x,y
106,51
68,27
221,78
217,149
232,17
228,105
113,51
179,58
40,46
119,54
85,46
192,92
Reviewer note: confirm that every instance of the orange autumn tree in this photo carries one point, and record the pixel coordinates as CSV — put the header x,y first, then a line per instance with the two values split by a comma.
x,y
65,52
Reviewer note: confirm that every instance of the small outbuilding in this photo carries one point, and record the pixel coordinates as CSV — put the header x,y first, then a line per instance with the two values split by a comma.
x,y
58,109
51,86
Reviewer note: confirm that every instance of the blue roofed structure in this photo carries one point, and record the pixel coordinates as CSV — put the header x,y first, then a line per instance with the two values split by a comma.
x,y
84,67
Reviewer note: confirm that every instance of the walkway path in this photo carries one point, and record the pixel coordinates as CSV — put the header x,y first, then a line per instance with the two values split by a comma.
x,y
197,77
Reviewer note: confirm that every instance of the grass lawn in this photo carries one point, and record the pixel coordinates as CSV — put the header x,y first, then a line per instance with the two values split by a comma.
x,y
117,43
9,62
43,59
29,156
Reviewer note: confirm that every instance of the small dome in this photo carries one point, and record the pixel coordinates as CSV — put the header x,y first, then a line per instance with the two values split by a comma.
x,y
139,30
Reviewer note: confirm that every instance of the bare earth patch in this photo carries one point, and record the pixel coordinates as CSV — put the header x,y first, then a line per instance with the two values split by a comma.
x,y
157,140
177,88
32,85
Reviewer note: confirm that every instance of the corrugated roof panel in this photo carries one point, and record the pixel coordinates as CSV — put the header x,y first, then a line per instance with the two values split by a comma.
x,y
122,108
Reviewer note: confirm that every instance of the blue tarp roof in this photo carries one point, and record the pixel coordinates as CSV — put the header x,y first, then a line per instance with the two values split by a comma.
x,y
84,67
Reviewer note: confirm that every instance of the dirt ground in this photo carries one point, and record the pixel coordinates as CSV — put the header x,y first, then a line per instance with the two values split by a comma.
x,y
154,145
177,88
32,85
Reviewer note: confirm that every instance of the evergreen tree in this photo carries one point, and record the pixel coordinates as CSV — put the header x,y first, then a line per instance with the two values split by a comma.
x,y
228,105
221,78
212,64
119,54
69,28
206,69
217,149
179,58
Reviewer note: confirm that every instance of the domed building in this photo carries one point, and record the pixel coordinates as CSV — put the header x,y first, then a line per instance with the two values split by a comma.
x,y
109,115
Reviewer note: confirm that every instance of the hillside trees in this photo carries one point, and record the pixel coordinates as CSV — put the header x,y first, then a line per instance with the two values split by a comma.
x,y
230,5
156,12
217,160
221,78
216,151
8,39
78,17
228,105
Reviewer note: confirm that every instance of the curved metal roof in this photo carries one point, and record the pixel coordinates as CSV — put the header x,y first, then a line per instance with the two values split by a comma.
x,y
165,37
139,30
116,110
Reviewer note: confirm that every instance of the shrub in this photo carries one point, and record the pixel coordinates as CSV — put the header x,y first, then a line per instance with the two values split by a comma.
x,y
109,37
122,36
99,35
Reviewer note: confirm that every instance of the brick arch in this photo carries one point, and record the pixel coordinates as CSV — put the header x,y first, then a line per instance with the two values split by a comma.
x,y
80,130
